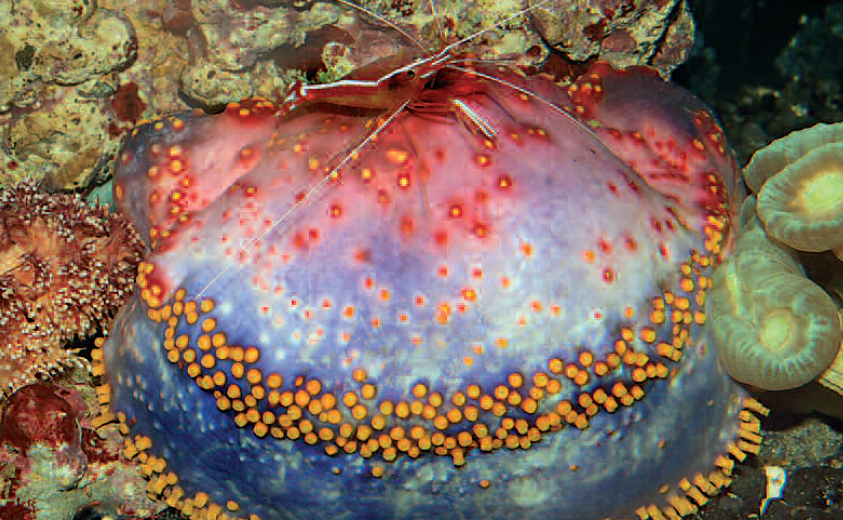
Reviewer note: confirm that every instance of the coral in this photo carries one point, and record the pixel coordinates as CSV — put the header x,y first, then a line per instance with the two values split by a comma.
x,y
66,43
54,462
780,154
780,328
812,55
494,308
802,205
58,67
242,49
66,141
655,33
64,267
798,180
776,329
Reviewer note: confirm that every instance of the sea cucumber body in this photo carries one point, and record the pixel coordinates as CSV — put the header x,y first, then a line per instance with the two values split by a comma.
x,y
464,324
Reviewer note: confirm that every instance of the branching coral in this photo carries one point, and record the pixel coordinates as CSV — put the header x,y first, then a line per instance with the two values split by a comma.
x,y
64,266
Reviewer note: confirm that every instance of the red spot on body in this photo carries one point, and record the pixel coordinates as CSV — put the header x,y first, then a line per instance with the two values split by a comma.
x,y
480,230
407,226
656,225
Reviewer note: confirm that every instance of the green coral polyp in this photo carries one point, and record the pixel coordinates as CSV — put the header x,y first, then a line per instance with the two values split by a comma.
x,y
776,328
803,204
783,152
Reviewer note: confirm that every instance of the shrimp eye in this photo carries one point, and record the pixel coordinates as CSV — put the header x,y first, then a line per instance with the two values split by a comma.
x,y
411,74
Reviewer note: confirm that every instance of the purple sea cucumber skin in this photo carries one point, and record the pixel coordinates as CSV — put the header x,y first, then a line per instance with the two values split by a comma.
x,y
617,473
559,203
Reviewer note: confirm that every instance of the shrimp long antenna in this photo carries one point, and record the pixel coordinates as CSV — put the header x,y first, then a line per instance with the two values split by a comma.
x,y
384,21
537,97
331,175
436,19
495,26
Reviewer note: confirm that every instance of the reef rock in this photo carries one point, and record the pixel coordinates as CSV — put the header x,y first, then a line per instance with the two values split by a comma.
x,y
57,63
658,33
55,463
